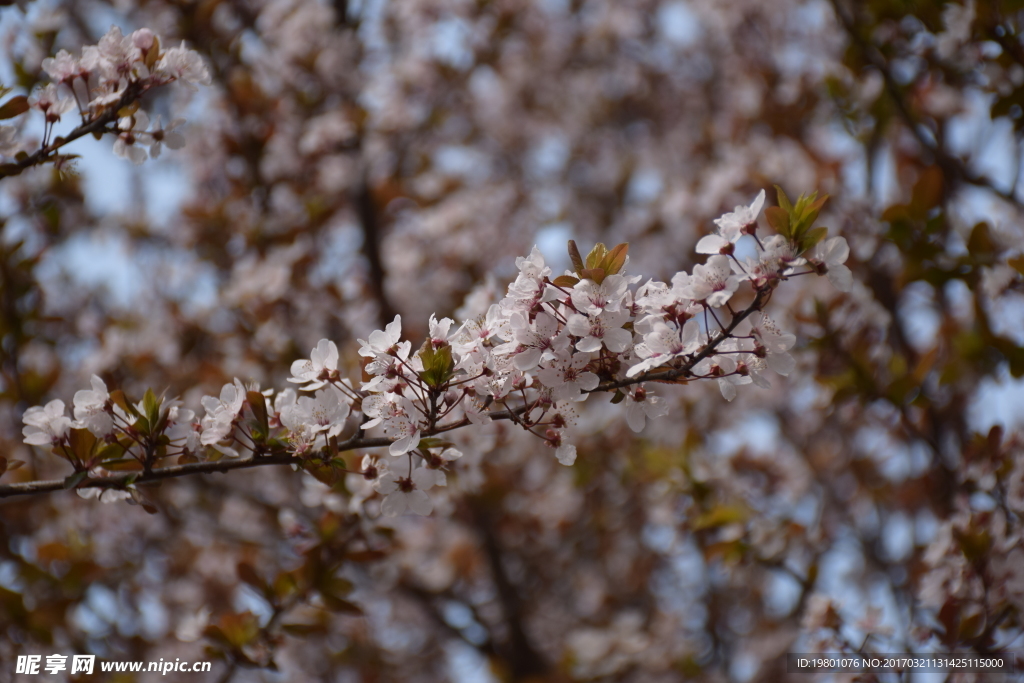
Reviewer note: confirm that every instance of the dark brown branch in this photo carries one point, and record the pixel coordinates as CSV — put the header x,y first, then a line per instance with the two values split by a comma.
x,y
524,660
135,477
98,125
369,222
684,370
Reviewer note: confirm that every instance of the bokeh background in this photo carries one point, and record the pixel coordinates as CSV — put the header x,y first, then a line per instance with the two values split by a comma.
x,y
354,160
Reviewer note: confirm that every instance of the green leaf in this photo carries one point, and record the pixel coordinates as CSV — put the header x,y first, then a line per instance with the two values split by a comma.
x,y
812,237
783,200
434,442
151,408
720,515
596,255
285,585
258,406
14,107
75,479
438,365
235,630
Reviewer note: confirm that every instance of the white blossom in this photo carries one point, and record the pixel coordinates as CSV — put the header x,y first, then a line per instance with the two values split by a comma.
x,y
598,331
91,408
169,136
221,413
712,282
46,426
829,258
325,412
407,494
182,64
567,376
643,405
321,365
732,226
592,298
52,102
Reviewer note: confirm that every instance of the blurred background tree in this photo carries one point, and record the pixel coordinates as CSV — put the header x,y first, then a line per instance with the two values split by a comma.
x,y
354,160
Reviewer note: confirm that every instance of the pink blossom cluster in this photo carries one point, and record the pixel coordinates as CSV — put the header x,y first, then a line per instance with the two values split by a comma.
x,y
112,76
530,358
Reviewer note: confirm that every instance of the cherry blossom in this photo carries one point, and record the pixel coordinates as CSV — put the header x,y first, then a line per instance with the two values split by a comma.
x,y
643,405
592,298
169,136
403,494
533,342
381,342
92,408
829,258
604,330
732,226
713,282
325,412
46,426
221,412
53,103
568,377
182,64
132,129
318,369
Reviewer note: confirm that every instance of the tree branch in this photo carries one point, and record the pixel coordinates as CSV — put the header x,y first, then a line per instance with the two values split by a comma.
x,y
121,480
133,92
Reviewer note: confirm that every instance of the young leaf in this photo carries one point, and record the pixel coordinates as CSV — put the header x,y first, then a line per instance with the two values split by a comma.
x,y
812,237
783,200
75,479
574,256
83,442
567,281
433,442
151,408
438,366
778,218
616,258
14,107
258,406
118,398
596,255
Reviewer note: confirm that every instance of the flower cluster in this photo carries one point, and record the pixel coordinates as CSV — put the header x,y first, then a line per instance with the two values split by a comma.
x,y
530,358
108,80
